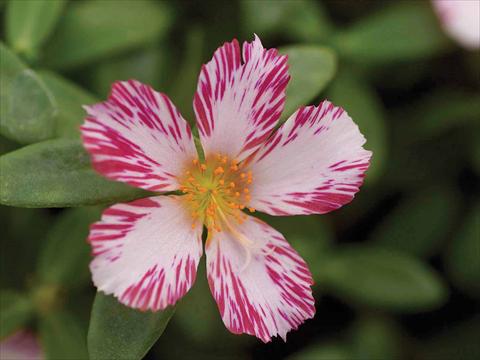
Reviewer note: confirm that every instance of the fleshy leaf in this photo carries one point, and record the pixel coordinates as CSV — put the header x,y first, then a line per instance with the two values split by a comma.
x,y
118,332
420,223
30,22
57,173
183,88
62,336
301,20
69,99
324,351
462,257
114,26
27,108
15,310
401,31
429,118
148,66
375,337
23,231
475,151
311,68
197,316
382,279
63,259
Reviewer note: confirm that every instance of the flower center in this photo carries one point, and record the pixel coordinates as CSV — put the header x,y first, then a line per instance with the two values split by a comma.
x,y
216,192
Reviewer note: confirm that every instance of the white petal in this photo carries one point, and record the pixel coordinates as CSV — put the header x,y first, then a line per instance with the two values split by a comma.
x,y
262,290
138,136
461,20
313,164
237,105
146,252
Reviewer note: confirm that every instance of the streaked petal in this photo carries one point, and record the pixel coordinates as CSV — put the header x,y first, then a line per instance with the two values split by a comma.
x,y
261,289
138,136
237,105
313,164
23,345
461,20
146,252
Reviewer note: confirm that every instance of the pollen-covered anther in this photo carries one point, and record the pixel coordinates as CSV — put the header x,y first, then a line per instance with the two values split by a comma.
x,y
216,191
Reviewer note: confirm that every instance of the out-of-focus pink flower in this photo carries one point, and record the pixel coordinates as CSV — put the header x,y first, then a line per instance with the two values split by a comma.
x,y
22,345
147,251
461,20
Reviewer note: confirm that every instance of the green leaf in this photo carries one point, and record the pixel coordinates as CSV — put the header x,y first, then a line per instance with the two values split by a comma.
x,y
23,232
401,31
69,99
57,173
15,310
300,20
462,257
324,351
27,108
64,258
443,111
7,145
146,66
118,332
185,84
420,164
382,279
91,30
197,317
311,68
307,21
62,336
310,235
420,223
361,102
475,151
30,22
374,337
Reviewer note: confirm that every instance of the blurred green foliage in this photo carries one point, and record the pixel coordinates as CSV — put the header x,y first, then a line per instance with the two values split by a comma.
x,y
57,173
396,272
119,332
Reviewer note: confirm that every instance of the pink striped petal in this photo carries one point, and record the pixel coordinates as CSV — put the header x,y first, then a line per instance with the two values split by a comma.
x,y
461,20
138,136
261,289
23,345
313,164
237,105
146,252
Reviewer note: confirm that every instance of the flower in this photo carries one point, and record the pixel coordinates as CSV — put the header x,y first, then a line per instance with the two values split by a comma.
x,y
22,345
461,20
146,252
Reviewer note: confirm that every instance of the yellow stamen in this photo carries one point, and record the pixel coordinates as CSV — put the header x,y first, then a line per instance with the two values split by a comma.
x,y
216,191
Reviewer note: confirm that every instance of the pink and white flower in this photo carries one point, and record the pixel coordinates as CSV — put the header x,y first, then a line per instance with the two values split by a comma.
x,y
146,252
461,20
22,345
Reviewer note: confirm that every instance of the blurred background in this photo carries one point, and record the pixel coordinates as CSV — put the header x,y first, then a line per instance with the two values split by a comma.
x,y
397,271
